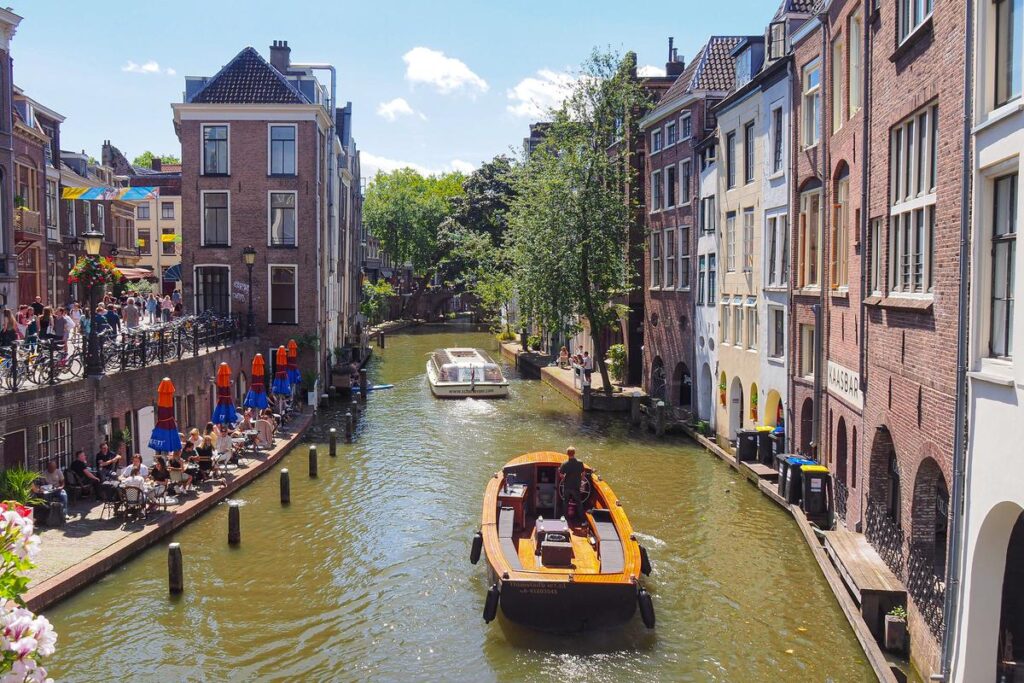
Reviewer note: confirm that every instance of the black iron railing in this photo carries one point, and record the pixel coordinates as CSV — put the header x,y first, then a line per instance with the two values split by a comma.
x,y
926,588
842,493
886,536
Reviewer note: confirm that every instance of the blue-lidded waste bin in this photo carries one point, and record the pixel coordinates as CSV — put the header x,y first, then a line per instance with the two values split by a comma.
x,y
793,488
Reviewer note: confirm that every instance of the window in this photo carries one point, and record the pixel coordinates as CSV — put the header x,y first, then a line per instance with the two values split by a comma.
x,y
670,187
282,219
707,157
737,322
101,218
748,240
912,213
670,258
685,127
1007,71
656,191
70,225
911,14
145,247
840,235
777,341
167,241
216,223
726,320
1004,243
656,259
282,150
213,289
707,215
875,274
807,350
684,183
812,103
810,238
215,150
283,295
54,443
748,153
836,69
751,323
670,134
730,241
855,68
783,225
167,210
142,212
684,257
776,238
656,141
778,139
52,213
777,40
701,266
730,160
712,282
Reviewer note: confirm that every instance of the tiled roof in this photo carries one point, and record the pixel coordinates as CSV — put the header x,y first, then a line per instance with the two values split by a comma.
x,y
248,79
796,7
712,68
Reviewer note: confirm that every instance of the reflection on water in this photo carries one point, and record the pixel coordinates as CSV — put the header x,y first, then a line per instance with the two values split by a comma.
x,y
366,574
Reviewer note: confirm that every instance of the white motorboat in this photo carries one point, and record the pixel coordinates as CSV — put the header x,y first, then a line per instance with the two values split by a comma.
x,y
465,373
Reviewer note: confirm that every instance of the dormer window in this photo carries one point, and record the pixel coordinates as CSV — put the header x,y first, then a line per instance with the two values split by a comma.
x,y
743,62
776,40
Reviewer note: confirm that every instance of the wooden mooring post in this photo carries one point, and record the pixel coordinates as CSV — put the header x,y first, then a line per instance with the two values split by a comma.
x,y
634,408
175,569
234,523
349,427
380,339
659,418
363,385
313,464
332,442
587,399
286,486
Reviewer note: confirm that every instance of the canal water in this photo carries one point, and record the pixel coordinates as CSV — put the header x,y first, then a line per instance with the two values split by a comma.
x,y
365,576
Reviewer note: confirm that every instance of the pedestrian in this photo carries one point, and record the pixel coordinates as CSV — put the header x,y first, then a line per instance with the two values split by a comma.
x,y
45,321
8,329
76,319
113,319
37,306
31,331
166,306
24,312
60,328
151,306
588,367
131,314
178,311
176,296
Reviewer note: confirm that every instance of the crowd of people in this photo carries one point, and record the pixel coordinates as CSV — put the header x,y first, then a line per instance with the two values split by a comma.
x,y
36,322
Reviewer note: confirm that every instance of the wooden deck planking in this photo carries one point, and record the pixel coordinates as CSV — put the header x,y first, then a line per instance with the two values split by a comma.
x,y
863,570
584,557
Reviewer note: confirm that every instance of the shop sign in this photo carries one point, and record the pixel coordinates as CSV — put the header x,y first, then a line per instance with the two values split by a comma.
x,y
845,384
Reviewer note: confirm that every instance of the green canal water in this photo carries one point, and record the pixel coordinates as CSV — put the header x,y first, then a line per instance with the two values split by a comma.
x,y
365,576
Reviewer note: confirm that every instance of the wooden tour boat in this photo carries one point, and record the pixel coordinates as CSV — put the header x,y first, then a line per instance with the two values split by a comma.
x,y
465,373
552,574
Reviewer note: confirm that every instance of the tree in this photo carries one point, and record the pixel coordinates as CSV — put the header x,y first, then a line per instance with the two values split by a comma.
x,y
146,159
569,221
375,298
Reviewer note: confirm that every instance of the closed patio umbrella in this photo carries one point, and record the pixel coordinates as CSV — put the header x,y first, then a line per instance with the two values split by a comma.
x,y
165,437
282,385
293,358
257,396
224,412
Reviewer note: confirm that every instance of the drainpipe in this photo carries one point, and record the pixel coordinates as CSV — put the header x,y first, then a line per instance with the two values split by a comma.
x,y
865,196
821,335
790,317
950,613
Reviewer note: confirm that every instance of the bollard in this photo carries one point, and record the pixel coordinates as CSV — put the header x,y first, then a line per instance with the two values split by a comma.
x,y
363,387
634,408
286,487
380,339
355,407
349,427
175,570
586,397
234,523
332,443
659,418
312,461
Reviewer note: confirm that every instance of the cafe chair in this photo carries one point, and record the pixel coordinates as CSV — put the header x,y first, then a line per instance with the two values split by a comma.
x,y
134,502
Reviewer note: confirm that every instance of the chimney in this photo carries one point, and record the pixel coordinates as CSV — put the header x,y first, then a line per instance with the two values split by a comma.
x,y
674,66
281,56
155,164
107,155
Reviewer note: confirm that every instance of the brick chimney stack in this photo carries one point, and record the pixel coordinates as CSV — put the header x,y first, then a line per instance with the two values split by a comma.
x,y
281,56
156,164
674,66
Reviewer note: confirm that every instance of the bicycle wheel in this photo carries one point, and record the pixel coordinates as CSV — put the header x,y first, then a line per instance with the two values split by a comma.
x,y
74,366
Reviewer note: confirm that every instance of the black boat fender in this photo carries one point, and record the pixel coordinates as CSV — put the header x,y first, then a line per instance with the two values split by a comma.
x,y
478,544
646,607
491,604
645,562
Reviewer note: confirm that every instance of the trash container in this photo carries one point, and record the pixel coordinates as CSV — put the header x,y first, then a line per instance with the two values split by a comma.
x,y
816,493
781,465
767,448
746,445
794,488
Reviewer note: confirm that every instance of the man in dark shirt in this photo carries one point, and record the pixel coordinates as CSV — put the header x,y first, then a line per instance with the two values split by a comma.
x,y
113,319
37,306
107,461
80,468
571,474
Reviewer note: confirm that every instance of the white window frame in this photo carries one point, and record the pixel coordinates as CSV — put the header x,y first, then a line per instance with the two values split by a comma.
x,y
671,133
876,280
656,190
101,217
686,193
656,259
270,127
671,186
683,258
685,126
270,297
807,354
751,323
806,281
669,278
748,239
726,316
913,161
202,217
737,321
907,19
701,273
270,218
855,64
778,138
138,211
730,160
195,284
776,314
749,151
730,241
840,247
202,147
996,38
811,104
656,140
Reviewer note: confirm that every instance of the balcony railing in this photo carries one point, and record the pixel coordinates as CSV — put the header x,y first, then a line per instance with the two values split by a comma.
x,y
926,588
842,494
886,537
27,220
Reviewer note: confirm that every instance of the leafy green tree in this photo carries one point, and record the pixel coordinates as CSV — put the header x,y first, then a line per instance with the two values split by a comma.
x,y
375,298
146,159
570,218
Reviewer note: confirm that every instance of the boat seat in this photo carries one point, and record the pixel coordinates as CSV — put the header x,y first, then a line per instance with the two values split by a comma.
x,y
609,545
506,523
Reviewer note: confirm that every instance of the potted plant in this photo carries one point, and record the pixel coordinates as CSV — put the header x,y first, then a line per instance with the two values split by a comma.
x,y
616,362
16,486
309,380
896,629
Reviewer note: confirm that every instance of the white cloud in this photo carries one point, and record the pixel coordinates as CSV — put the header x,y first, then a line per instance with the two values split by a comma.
x,y
446,74
534,96
397,107
463,166
150,67
650,70
371,163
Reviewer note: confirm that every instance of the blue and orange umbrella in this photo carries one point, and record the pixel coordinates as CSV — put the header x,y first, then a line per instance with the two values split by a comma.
x,y
165,437
282,385
293,358
257,396
224,412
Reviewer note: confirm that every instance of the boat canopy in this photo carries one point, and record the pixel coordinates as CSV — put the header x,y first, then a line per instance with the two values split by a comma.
x,y
465,365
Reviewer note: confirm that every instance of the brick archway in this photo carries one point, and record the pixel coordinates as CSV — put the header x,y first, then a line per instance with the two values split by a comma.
x,y
884,529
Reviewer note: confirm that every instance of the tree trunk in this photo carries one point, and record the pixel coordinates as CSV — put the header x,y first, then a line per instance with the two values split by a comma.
x,y
596,335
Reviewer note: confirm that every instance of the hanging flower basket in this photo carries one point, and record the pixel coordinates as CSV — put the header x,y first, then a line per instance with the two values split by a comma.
x,y
753,407
89,272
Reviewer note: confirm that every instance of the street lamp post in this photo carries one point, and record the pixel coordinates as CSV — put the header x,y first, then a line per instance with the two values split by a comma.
x,y
249,256
93,363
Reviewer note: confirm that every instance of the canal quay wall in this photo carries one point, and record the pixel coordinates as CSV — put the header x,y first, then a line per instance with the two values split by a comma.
x,y
128,542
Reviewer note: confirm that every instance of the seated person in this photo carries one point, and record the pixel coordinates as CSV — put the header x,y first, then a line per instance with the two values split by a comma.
x,y
55,478
204,457
177,465
265,435
84,476
160,475
270,417
136,469
563,358
191,460
209,429
247,423
106,462
194,438
225,445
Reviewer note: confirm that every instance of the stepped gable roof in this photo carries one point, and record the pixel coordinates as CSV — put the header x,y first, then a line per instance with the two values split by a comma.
x,y
248,79
712,68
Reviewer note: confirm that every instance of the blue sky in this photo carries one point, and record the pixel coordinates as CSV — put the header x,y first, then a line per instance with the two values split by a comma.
x,y
438,85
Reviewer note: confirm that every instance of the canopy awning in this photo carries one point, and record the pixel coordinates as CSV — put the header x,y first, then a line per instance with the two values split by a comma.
x,y
173,274
136,273
128,194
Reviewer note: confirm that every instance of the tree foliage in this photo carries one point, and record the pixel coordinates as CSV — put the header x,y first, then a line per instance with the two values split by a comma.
x,y
569,222
375,298
146,159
